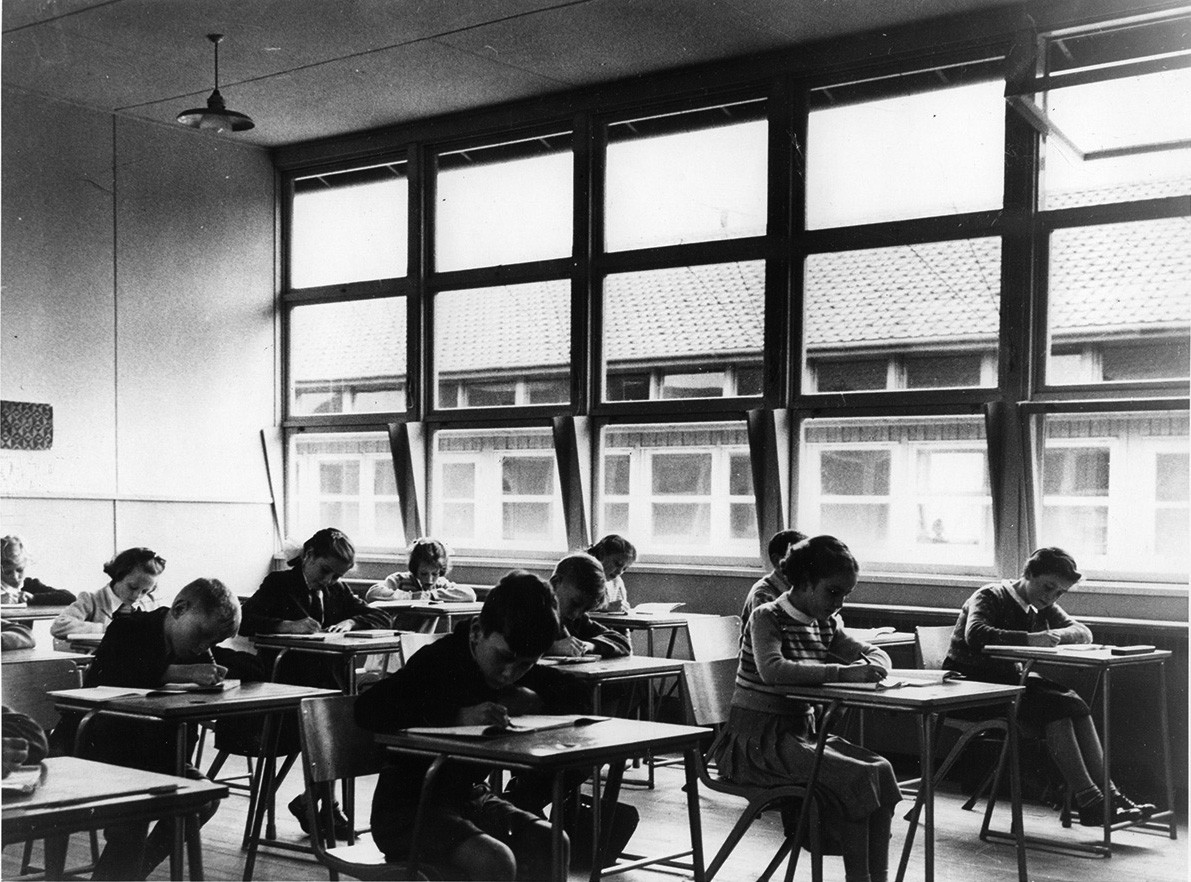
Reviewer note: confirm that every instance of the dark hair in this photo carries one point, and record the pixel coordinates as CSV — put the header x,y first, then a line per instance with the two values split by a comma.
x,y
521,608
1052,561
134,559
428,551
328,542
813,560
583,573
612,544
780,543
214,598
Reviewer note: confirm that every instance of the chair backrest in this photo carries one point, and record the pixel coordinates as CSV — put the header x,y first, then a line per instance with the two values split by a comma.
x,y
713,637
333,746
707,690
412,641
932,642
26,684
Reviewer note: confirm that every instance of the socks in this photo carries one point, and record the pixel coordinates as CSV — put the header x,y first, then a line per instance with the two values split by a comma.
x,y
1088,795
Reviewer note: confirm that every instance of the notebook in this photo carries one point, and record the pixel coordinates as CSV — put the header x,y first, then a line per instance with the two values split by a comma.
x,y
371,633
517,725
170,688
568,659
899,677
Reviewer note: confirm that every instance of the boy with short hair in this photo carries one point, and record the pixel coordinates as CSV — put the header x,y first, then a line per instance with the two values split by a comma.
x,y
481,674
774,584
144,651
578,583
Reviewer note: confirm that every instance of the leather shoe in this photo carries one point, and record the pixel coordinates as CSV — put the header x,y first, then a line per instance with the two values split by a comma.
x,y
1092,814
342,826
297,808
1122,803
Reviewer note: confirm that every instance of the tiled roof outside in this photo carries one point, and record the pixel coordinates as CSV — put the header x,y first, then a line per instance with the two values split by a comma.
x,y
1106,277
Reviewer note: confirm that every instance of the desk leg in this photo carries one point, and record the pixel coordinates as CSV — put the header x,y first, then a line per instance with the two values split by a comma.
x,y
597,805
266,766
926,738
194,846
694,820
1106,743
181,756
1016,824
558,839
1165,725
55,856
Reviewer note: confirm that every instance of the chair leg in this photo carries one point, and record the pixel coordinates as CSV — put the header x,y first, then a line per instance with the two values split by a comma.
x,y
216,764
980,791
27,859
780,856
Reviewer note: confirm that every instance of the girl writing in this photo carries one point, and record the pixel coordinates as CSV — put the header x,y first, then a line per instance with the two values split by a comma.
x,y
133,574
795,640
426,579
615,554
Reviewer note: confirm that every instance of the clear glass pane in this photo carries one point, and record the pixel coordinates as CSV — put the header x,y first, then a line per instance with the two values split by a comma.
x,y
1113,487
866,311
681,489
349,227
481,192
1120,302
347,357
1106,123
706,321
920,155
902,492
494,490
344,480
668,181
499,347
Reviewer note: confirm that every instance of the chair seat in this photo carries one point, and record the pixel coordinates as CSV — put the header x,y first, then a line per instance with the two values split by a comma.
x,y
365,861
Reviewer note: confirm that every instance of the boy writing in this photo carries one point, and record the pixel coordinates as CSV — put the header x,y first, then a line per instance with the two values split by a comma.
x,y
146,651
481,674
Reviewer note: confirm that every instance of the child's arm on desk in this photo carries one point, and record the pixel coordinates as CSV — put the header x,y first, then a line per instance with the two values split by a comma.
x,y
777,670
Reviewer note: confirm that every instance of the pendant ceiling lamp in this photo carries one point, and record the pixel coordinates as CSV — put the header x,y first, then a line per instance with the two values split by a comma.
x,y
215,117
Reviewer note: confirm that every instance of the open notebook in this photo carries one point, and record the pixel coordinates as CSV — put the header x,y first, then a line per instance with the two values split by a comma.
x,y
517,725
899,677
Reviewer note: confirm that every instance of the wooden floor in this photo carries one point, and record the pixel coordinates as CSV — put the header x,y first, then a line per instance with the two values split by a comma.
x,y
960,855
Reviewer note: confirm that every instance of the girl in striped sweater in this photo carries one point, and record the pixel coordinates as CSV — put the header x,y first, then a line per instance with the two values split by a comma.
x,y
799,639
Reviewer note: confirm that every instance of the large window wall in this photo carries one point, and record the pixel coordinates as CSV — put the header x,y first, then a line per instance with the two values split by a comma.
x,y
958,282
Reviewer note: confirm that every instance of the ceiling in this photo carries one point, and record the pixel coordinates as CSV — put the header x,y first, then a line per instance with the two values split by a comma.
x,y
307,69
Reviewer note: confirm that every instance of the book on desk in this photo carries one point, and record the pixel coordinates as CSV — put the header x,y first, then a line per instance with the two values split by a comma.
x,y
516,726
901,677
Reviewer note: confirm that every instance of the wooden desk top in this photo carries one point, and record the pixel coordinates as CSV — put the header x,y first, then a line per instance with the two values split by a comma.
x,y
30,613
947,696
626,667
247,698
79,794
555,748
431,607
36,654
1071,655
633,621
331,643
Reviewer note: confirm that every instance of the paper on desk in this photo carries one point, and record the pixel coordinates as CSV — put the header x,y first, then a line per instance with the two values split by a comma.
x,y
568,659
222,686
655,609
899,677
517,725
23,780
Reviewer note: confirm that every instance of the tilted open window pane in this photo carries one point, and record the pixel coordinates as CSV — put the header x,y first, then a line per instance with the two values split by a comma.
x,y
678,489
350,226
344,480
500,347
508,203
347,357
496,489
1120,302
918,155
688,332
902,492
905,317
1114,491
686,177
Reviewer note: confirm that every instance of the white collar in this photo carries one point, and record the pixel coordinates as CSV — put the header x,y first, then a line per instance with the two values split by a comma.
x,y
1021,601
792,611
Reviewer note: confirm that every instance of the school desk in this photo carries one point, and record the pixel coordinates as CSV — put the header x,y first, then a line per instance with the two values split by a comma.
x,y
1103,663
84,641
928,704
435,613
647,622
79,795
629,668
18,613
554,751
269,700
340,645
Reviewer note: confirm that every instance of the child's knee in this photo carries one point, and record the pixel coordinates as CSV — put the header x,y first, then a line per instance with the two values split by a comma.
x,y
483,857
533,847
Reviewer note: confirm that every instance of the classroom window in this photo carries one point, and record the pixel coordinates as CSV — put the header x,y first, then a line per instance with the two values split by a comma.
x,y
667,181
508,203
1111,491
901,492
677,333
496,489
347,357
918,155
892,318
1119,307
678,489
349,226
505,346
345,480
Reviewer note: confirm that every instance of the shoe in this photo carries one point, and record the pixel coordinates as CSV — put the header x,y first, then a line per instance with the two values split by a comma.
x,y
297,808
1122,803
1092,814
343,827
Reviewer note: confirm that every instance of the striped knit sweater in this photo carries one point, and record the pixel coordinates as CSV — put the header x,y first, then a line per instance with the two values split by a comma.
x,y
784,647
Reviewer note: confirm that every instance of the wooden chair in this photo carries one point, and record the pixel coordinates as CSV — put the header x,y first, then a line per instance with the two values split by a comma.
x,y
707,695
713,637
334,748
